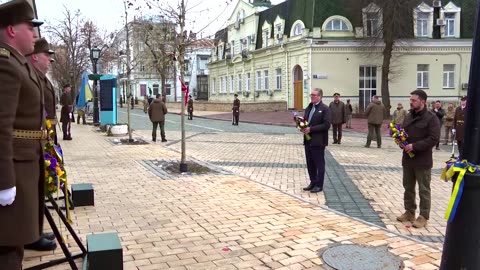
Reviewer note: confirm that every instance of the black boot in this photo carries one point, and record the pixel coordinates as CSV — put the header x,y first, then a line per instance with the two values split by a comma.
x,y
309,187
43,244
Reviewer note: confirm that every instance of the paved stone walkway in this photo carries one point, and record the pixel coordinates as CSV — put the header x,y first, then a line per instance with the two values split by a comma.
x,y
214,221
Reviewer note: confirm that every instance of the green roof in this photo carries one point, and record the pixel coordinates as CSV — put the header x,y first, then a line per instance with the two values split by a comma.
x,y
313,13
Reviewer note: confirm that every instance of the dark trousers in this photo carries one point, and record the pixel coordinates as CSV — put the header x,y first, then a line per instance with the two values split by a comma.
x,y
162,130
190,114
236,117
337,132
11,258
371,129
315,156
411,176
66,129
460,147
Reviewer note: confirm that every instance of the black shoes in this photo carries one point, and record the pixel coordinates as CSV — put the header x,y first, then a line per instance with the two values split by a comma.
x,y
43,244
309,187
164,140
313,188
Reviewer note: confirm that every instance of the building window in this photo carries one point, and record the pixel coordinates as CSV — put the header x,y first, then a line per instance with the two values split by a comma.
x,y
298,29
336,25
449,24
247,82
367,85
372,25
422,24
232,49
213,85
422,76
278,79
267,79
266,36
239,83
155,90
224,84
448,76
258,85
168,89
231,83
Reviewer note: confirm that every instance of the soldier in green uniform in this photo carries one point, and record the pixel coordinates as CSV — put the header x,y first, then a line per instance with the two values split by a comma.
x,y
236,110
459,123
41,60
190,107
21,133
66,112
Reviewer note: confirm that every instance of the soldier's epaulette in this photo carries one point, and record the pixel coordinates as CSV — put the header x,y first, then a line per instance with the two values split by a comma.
x,y
4,53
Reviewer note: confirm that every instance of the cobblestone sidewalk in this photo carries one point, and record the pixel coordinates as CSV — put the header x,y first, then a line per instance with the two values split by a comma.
x,y
211,221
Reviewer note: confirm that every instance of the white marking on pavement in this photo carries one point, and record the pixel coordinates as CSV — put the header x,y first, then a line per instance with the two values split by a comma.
x,y
173,122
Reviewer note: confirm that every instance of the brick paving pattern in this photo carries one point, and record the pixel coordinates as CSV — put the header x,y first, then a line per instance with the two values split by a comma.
x,y
226,221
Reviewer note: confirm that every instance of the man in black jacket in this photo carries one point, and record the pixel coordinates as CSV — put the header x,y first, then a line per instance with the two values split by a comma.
x,y
318,117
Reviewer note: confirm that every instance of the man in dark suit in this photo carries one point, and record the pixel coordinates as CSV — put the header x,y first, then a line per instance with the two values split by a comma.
x,y
318,117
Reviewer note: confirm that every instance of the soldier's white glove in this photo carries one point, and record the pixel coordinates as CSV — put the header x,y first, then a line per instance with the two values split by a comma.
x,y
454,131
7,196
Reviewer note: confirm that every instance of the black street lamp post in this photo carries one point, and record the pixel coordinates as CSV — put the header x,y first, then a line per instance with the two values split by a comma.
x,y
462,240
94,56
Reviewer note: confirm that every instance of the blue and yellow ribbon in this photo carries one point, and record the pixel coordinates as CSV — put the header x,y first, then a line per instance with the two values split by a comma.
x,y
461,167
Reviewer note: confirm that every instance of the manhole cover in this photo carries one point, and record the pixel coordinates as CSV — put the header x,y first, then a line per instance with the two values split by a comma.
x,y
355,257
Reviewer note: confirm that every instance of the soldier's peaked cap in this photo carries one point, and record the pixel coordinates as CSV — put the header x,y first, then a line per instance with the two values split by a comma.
x,y
42,46
17,12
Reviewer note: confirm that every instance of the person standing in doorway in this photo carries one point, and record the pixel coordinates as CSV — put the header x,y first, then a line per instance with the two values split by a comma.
x,y
318,117
236,110
66,112
349,112
156,113
190,107
338,114
374,113
423,131
459,123
22,126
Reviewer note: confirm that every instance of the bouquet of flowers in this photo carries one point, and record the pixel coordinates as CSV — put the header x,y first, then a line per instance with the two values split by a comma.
x,y
302,123
55,174
399,136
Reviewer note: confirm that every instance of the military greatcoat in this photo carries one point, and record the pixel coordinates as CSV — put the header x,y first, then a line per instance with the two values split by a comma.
x,y
21,160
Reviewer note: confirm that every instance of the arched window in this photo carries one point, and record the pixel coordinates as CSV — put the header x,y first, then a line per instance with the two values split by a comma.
x,y
298,29
336,25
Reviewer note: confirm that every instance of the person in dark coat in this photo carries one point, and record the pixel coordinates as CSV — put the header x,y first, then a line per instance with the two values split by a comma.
x,y
348,112
374,114
66,112
41,60
190,107
21,133
318,117
236,110
339,115
156,113
423,130
440,113
459,123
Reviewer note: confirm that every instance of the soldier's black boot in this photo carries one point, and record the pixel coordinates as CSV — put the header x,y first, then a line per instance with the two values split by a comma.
x,y
43,244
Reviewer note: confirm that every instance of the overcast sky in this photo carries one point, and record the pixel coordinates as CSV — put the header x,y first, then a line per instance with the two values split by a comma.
x,y
108,14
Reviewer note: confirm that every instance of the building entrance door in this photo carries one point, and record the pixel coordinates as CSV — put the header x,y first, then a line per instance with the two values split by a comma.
x,y
297,88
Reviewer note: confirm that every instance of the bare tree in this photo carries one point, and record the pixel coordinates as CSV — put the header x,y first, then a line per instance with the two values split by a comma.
x,y
72,58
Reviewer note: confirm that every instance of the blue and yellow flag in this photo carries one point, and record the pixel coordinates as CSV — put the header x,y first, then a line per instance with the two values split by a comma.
x,y
85,93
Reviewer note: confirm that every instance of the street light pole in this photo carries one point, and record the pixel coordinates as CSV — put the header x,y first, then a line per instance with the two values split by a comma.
x,y
461,248
95,55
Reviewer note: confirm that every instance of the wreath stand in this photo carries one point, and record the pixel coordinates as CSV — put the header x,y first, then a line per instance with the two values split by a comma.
x,y
69,257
